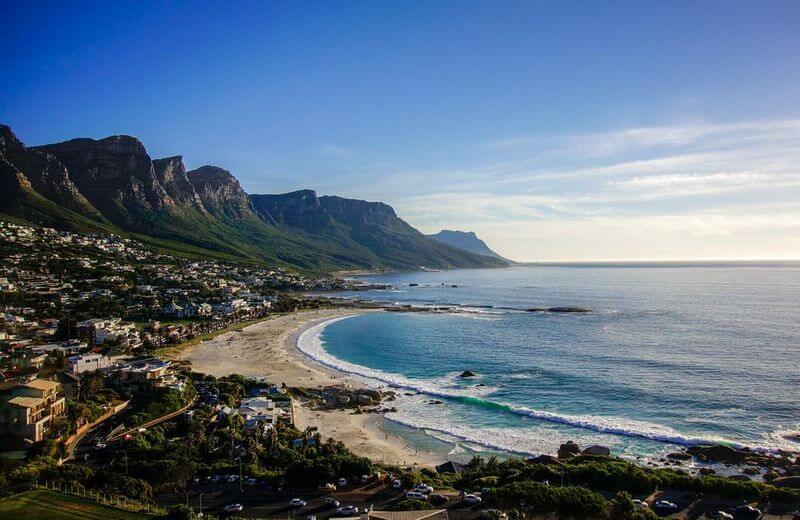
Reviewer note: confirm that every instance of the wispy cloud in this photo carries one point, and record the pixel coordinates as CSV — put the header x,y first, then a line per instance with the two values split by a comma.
x,y
332,150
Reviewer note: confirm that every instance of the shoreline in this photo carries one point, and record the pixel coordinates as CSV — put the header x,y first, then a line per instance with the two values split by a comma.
x,y
269,349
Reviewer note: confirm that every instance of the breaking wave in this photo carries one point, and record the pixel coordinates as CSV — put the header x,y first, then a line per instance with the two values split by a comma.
x,y
310,344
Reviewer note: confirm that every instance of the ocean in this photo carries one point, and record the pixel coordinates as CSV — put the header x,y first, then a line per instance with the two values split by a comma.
x,y
671,355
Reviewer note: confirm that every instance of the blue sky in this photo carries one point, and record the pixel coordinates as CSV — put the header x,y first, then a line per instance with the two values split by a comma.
x,y
556,130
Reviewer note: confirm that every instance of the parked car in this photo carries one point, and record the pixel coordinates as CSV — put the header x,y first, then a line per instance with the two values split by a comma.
x,y
341,482
232,478
438,500
250,481
311,517
665,506
364,479
297,502
216,478
720,515
640,505
347,510
416,494
469,498
232,508
423,488
330,502
746,512
100,445
397,484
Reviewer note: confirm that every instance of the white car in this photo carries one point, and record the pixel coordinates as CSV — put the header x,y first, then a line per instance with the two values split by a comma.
x,y
472,499
100,445
665,505
396,484
423,488
341,482
347,510
232,508
232,478
330,501
639,505
297,502
416,494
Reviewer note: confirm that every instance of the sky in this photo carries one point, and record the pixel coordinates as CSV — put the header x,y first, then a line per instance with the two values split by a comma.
x,y
556,130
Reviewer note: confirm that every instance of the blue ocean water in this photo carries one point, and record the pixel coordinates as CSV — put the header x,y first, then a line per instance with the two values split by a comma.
x,y
669,356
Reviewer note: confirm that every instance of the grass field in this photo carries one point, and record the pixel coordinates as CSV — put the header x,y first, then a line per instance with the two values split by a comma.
x,y
49,505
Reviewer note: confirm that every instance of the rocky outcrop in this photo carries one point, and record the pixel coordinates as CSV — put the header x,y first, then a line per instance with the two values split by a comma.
x,y
560,310
468,241
42,172
115,175
468,373
548,460
786,482
220,193
171,173
569,450
597,450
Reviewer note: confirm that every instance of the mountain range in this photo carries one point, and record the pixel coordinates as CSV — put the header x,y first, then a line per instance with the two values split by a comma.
x,y
112,185
468,241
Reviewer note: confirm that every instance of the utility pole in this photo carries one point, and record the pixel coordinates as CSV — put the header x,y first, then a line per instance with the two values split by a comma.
x,y
201,503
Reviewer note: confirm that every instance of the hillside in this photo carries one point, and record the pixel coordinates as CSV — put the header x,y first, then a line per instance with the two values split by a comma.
x,y
113,185
468,241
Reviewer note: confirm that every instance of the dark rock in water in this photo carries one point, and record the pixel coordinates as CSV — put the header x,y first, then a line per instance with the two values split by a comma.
x,y
679,455
481,384
563,310
771,475
413,285
705,472
468,373
597,450
434,402
717,453
750,471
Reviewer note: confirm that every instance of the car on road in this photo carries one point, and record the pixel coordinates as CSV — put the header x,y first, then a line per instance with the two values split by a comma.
x,y
416,495
347,510
297,502
232,508
397,484
470,498
746,512
341,482
665,506
250,481
232,478
438,500
100,445
330,502
639,505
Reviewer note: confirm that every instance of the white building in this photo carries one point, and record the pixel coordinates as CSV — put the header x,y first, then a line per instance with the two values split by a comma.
x,y
87,363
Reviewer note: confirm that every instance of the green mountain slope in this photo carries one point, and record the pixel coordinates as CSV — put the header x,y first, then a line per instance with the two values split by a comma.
x,y
113,185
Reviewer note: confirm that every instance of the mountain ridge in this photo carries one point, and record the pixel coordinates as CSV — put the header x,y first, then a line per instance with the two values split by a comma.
x,y
113,185
468,241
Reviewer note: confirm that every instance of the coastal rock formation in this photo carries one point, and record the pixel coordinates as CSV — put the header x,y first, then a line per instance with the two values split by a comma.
x,y
468,373
679,455
545,459
569,450
597,450
560,310
786,482
468,241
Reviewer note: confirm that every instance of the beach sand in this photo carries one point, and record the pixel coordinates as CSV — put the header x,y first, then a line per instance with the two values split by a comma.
x,y
268,349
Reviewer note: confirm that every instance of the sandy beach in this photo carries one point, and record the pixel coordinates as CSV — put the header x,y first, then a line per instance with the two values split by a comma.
x,y
268,349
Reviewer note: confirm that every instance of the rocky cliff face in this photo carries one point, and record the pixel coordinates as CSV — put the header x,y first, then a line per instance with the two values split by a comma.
x,y
115,174
171,174
112,184
300,209
41,172
220,192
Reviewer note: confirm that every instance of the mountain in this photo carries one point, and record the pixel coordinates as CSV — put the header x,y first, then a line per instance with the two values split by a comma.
x,y
468,241
113,185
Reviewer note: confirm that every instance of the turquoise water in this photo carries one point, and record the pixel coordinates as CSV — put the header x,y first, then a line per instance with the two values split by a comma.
x,y
670,356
